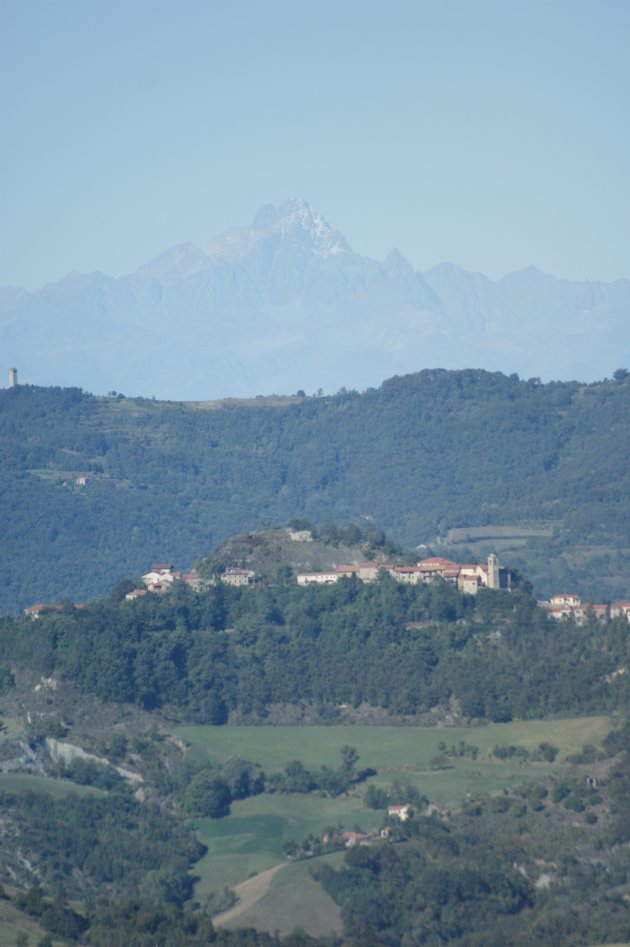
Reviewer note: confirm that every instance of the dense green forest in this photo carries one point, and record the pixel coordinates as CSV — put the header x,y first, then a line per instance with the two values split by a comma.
x,y
403,648
418,456
92,845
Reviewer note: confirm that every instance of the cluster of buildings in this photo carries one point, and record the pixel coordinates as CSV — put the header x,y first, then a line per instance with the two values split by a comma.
x,y
571,606
350,839
468,578
160,578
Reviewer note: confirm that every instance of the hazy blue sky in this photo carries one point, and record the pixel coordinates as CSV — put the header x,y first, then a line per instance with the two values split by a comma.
x,y
491,134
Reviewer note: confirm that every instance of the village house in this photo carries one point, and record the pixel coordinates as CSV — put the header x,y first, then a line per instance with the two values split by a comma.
x,y
354,838
469,584
570,606
238,577
192,579
159,579
620,610
564,599
161,576
438,567
365,571
317,578
399,812
410,575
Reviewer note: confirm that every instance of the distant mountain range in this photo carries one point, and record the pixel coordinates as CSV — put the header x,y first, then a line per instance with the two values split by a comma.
x,y
286,304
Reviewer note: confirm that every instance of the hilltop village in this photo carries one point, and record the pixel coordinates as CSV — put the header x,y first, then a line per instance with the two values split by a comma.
x,y
469,578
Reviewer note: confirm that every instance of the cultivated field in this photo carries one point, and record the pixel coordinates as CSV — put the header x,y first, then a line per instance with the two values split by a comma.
x,y
292,898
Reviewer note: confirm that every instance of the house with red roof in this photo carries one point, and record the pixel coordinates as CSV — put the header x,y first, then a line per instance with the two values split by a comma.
x,y
569,605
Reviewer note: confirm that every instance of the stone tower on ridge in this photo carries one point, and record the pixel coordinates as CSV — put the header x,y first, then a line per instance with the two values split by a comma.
x,y
494,573
13,378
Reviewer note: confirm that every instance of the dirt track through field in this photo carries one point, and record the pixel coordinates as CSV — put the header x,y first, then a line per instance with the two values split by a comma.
x,y
248,893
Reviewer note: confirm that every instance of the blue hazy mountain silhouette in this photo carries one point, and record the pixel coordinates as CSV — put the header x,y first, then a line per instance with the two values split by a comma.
x,y
286,304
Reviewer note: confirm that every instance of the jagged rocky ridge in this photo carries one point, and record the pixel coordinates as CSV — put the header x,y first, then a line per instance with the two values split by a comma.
x,y
286,304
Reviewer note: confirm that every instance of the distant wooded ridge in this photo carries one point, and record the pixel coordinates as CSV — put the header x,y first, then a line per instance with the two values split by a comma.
x,y
94,488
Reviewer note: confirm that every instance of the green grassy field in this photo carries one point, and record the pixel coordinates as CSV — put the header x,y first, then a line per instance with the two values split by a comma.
x,y
251,839
58,788
391,749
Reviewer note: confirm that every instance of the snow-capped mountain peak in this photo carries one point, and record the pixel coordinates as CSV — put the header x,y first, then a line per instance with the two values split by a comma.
x,y
294,217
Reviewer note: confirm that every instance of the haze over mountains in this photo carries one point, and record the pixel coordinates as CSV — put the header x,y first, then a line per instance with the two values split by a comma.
x,y
286,304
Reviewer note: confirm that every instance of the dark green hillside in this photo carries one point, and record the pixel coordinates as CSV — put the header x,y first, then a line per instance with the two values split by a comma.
x,y
406,649
422,454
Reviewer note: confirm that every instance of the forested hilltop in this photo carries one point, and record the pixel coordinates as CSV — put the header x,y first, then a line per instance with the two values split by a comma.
x,y
94,489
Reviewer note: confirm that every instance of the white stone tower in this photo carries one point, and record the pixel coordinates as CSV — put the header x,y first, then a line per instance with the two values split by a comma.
x,y
13,378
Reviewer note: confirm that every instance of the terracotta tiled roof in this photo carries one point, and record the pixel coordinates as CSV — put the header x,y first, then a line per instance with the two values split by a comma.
x,y
437,562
